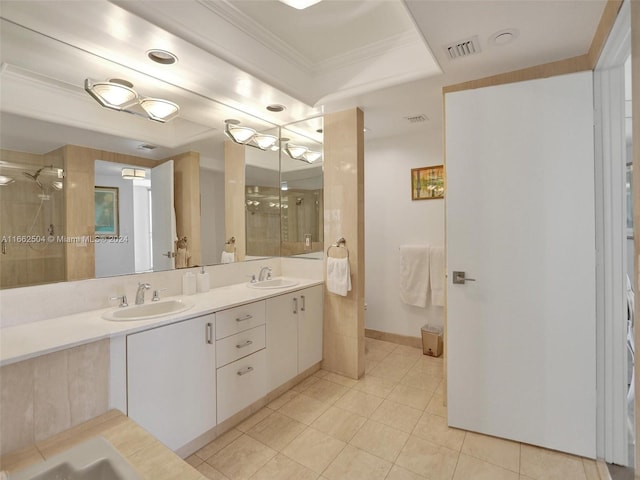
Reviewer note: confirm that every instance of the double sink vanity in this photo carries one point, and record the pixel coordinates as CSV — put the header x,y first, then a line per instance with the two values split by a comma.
x,y
188,368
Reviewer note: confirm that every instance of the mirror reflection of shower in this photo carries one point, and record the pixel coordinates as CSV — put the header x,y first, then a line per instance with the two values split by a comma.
x,y
32,220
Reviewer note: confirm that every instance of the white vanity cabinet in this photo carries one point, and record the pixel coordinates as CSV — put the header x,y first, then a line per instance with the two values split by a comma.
x,y
310,327
294,334
171,380
241,367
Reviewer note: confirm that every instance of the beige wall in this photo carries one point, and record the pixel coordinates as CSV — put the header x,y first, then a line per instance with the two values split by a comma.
x,y
344,217
186,176
46,395
234,218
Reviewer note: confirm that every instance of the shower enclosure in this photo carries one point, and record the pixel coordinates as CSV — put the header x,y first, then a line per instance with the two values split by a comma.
x,y
31,220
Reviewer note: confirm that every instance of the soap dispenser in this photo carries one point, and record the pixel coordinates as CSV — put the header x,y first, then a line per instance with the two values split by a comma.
x,y
203,281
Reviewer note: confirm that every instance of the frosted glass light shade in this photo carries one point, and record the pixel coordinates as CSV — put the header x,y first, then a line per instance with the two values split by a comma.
x,y
265,142
159,110
111,95
311,156
240,134
294,151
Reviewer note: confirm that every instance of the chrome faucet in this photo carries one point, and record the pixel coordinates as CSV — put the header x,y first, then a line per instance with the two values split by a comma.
x,y
140,293
265,274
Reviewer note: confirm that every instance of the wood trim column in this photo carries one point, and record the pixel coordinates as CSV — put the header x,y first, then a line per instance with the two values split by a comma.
x,y
343,350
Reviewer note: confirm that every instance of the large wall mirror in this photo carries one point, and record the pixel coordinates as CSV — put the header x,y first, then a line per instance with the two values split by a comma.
x,y
65,162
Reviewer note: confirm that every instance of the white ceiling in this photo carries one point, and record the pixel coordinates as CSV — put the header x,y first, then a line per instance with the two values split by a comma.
x,y
237,56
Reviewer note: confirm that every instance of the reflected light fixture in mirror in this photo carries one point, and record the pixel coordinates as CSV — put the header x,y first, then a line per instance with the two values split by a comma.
x,y
4,180
133,173
248,136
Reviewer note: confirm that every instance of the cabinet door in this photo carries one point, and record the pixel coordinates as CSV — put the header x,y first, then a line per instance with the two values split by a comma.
x,y
171,385
310,327
282,339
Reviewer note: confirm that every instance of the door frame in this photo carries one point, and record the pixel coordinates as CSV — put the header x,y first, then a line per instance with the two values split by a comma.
x,y
611,328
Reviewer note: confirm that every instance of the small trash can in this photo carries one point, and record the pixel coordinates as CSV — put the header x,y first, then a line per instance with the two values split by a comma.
x,y
431,340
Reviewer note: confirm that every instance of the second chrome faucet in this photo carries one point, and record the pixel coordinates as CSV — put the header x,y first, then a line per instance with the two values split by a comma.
x,y
140,292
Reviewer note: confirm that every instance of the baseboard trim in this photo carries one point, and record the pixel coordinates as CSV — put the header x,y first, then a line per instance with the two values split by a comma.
x,y
415,342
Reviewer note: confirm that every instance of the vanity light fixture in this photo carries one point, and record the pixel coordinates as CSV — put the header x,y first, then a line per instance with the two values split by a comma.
x,y
295,151
118,94
133,173
248,136
311,156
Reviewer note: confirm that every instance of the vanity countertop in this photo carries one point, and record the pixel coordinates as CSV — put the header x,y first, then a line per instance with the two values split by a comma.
x,y
38,338
150,458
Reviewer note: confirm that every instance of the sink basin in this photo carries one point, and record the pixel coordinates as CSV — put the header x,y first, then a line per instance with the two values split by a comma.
x,y
274,283
148,310
95,459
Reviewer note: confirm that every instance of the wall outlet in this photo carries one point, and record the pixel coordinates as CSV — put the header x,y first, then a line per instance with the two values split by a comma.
x,y
307,241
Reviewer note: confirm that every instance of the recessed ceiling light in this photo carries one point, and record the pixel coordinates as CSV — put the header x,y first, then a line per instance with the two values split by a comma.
x,y
300,4
275,107
162,56
232,121
503,37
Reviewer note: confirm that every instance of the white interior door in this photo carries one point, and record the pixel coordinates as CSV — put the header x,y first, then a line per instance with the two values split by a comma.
x,y
520,220
163,217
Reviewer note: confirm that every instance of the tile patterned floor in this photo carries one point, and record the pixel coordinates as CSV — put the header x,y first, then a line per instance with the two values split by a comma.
x,y
389,425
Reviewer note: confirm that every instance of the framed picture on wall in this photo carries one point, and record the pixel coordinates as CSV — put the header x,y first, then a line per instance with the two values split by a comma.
x,y
427,183
106,212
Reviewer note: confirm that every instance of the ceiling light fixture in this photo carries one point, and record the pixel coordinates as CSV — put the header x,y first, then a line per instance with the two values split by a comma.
x,y
300,4
133,173
118,94
276,107
162,56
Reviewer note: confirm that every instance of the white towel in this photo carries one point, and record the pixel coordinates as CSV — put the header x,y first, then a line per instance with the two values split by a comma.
x,y
338,276
436,274
227,257
414,274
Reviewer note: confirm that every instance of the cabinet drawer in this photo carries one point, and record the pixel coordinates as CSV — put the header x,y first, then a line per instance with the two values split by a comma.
x,y
239,319
240,345
240,384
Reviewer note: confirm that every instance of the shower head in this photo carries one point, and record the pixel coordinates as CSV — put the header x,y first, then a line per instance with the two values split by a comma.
x,y
34,177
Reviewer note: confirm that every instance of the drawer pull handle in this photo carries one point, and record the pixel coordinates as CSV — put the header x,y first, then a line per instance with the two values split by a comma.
x,y
209,333
304,303
245,370
246,317
245,344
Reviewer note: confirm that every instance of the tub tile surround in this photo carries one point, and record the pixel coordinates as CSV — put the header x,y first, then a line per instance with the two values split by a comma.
x,y
51,393
364,429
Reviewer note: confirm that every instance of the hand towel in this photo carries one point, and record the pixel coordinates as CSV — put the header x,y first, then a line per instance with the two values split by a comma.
x,y
227,257
436,274
338,276
414,274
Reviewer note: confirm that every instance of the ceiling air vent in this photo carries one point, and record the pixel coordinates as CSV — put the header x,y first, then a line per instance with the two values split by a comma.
x,y
147,147
416,118
463,48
